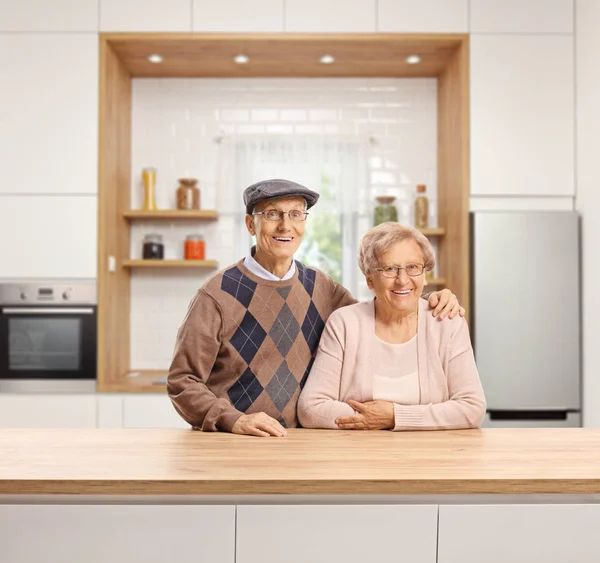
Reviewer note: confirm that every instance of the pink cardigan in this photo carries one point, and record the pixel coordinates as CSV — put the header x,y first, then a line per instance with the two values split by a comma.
x,y
451,392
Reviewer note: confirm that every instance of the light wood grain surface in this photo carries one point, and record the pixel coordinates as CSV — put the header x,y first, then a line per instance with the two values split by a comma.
x,y
510,461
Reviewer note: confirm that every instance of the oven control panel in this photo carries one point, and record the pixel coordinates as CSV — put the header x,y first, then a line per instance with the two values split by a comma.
x,y
48,293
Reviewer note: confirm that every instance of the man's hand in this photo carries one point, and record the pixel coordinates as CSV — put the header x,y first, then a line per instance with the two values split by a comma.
x,y
444,303
372,415
258,424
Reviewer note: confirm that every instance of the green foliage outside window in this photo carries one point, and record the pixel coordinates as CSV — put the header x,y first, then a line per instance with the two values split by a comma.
x,y
322,245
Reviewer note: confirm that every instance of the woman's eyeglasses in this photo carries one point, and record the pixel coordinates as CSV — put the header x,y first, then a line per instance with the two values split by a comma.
x,y
413,270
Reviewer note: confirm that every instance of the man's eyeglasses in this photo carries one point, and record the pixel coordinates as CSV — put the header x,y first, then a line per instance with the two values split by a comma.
x,y
274,215
413,270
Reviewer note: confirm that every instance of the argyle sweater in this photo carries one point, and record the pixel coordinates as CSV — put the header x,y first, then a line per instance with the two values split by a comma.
x,y
247,345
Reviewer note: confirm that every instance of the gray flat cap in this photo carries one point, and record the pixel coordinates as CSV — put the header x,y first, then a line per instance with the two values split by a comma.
x,y
270,189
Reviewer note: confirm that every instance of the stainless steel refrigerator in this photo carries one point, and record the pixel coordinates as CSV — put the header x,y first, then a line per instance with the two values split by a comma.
x,y
525,318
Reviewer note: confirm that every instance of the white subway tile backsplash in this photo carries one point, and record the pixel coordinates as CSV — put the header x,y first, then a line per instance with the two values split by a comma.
x,y
292,115
309,129
285,129
265,115
370,128
323,114
250,129
383,114
235,115
354,114
383,178
183,126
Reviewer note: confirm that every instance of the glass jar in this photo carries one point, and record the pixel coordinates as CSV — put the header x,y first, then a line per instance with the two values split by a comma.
x,y
188,194
149,179
194,247
421,208
153,247
385,211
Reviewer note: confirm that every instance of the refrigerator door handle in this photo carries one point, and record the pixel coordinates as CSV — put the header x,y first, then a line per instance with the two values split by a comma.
x,y
496,416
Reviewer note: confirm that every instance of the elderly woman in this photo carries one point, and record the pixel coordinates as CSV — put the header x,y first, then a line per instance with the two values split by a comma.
x,y
388,364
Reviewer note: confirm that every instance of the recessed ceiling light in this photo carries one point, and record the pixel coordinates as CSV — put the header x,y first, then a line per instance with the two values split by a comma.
x,y
327,59
155,58
413,59
241,59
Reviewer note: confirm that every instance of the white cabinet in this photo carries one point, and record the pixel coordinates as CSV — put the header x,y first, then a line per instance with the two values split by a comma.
x,y
110,410
322,534
49,15
145,15
49,113
238,15
117,533
47,411
517,16
522,115
423,16
337,16
48,236
531,533
154,411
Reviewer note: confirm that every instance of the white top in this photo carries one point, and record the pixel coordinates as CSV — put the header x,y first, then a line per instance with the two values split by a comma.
x,y
396,372
259,271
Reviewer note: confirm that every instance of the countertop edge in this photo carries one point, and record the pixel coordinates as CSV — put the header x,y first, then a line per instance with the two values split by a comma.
x,y
306,487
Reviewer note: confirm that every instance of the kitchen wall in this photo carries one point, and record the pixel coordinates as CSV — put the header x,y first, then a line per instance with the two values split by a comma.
x,y
535,82
182,127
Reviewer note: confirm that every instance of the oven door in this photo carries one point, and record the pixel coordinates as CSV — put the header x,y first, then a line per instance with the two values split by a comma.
x,y
48,342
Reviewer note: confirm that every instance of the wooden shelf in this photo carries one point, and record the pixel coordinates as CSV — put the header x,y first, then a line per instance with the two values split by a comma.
x,y
437,281
137,381
170,264
433,232
172,215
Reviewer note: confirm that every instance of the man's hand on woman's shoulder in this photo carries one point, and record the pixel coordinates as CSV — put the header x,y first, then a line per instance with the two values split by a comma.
x,y
445,304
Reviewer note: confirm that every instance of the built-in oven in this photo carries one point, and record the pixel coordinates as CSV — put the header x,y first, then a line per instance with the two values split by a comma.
x,y
48,337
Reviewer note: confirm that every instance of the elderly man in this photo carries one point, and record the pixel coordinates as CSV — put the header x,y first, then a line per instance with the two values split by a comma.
x,y
247,343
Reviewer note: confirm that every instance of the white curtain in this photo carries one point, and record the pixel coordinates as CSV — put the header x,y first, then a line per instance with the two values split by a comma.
x,y
336,168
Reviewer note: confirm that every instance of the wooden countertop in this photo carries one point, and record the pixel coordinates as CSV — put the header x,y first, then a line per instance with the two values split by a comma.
x,y
155,462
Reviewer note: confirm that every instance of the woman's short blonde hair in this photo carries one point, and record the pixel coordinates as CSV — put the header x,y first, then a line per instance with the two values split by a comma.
x,y
381,238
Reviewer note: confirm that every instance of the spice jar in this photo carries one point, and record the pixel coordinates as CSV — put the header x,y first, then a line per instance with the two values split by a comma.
x,y
188,194
194,247
385,211
421,208
153,248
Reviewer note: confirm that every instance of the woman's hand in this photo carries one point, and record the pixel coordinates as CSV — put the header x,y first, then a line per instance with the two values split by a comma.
x,y
445,303
258,424
372,415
